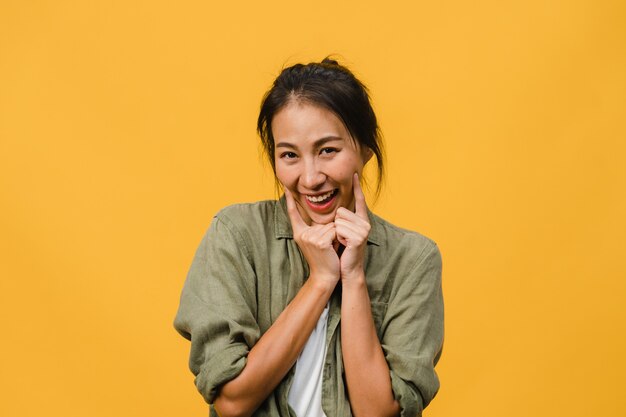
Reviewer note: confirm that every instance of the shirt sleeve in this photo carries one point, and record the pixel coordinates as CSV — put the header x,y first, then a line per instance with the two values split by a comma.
x,y
217,310
413,334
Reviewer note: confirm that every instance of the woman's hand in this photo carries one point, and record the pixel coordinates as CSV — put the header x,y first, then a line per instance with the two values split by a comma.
x,y
270,359
316,243
352,231
366,369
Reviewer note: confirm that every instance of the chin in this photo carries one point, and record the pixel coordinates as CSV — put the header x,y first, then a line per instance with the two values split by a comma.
x,y
322,218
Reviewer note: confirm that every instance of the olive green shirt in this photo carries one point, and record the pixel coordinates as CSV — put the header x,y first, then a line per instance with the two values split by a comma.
x,y
248,268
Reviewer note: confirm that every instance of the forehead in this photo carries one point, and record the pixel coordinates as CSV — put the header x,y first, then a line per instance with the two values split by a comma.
x,y
302,123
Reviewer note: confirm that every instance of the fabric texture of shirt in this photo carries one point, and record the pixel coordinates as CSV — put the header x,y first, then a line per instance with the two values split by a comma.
x,y
248,268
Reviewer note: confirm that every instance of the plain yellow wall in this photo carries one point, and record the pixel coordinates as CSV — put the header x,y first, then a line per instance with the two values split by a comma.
x,y
125,125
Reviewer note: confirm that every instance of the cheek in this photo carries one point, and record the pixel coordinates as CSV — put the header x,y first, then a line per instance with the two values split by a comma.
x,y
344,171
285,177
345,177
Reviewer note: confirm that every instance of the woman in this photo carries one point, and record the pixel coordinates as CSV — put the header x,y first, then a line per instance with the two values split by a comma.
x,y
314,279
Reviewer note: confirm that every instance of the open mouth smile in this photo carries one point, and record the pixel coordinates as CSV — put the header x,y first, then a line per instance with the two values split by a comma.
x,y
322,202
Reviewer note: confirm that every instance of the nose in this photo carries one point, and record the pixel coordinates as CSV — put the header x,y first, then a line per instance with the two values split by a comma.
x,y
312,177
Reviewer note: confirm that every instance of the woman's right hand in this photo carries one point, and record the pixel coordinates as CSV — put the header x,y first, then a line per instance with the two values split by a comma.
x,y
317,245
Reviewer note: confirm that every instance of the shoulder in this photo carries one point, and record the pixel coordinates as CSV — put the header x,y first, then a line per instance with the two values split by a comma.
x,y
240,228
248,221
390,234
410,247
247,213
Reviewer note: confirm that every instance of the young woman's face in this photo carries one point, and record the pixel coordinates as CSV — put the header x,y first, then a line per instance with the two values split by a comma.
x,y
315,159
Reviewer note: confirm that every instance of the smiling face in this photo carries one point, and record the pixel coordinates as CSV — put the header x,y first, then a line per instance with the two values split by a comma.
x,y
315,159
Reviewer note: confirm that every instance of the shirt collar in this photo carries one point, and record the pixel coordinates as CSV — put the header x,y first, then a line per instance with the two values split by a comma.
x,y
282,224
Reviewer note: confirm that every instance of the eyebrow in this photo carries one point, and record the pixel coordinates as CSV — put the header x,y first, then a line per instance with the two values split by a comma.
x,y
318,143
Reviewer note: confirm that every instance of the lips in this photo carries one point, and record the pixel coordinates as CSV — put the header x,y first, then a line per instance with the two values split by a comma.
x,y
321,202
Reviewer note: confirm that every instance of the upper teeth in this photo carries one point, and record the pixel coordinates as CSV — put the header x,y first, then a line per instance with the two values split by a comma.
x,y
317,199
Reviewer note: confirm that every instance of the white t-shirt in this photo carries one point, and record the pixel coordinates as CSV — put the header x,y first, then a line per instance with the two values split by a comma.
x,y
305,394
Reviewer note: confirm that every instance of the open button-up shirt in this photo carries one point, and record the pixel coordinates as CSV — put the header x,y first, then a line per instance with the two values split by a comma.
x,y
248,268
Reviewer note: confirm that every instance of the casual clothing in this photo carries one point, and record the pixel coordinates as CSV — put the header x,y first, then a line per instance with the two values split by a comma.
x,y
248,268
305,393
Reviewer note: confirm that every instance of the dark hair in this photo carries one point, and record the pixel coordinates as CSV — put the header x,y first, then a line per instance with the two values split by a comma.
x,y
333,87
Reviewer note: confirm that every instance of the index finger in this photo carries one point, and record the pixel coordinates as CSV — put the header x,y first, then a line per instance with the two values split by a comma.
x,y
360,206
297,223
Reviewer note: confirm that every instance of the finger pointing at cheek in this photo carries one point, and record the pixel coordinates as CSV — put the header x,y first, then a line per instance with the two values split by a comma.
x,y
297,223
316,244
360,206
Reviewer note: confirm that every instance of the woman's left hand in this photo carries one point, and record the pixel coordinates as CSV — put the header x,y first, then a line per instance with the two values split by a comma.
x,y
352,231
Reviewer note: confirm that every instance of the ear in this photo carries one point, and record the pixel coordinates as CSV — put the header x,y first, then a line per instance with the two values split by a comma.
x,y
366,154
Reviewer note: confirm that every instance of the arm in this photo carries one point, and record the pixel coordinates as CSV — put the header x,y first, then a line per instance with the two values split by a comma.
x,y
360,345
236,368
369,387
217,308
413,331
410,345
276,352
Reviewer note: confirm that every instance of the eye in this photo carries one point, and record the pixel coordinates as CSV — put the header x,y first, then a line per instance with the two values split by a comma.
x,y
328,151
288,155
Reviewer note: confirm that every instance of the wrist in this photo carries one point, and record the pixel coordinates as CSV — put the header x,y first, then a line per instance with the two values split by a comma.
x,y
324,283
353,278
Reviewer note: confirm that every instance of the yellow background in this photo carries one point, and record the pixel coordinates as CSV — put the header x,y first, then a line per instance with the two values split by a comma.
x,y
125,125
